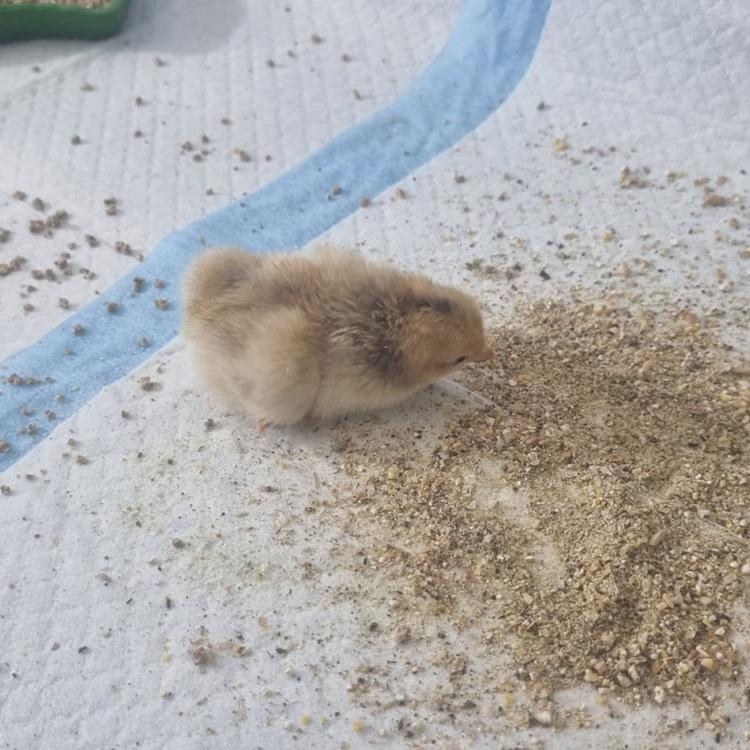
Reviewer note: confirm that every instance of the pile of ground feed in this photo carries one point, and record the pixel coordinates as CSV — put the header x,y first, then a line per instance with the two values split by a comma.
x,y
595,511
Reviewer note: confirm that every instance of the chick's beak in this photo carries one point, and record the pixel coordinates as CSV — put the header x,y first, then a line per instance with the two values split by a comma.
x,y
485,356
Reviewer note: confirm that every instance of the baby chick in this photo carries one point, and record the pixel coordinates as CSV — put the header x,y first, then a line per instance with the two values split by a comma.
x,y
287,336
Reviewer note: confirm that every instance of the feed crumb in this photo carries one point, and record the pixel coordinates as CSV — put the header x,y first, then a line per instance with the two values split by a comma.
x,y
630,179
358,726
159,283
57,219
78,329
82,460
560,144
110,206
148,385
364,202
334,191
542,718
714,200
4,446
18,380
242,155
112,307
12,265
161,304
202,651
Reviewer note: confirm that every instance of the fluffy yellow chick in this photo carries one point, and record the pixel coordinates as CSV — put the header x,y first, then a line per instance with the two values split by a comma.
x,y
288,336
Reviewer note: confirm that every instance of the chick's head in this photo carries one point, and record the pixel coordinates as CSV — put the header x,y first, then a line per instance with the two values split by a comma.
x,y
444,331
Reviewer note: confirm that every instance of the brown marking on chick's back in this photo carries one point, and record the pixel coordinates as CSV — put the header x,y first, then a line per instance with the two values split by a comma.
x,y
380,337
439,304
369,330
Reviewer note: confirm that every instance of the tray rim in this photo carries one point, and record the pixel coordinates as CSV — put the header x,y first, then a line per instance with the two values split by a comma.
x,y
29,20
58,8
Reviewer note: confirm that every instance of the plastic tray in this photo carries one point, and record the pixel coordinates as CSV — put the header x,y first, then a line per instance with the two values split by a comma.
x,y
42,21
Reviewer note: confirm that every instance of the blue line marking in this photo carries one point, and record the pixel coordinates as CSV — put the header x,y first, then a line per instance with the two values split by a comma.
x,y
485,57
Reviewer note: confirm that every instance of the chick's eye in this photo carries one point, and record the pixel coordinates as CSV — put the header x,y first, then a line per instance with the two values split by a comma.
x,y
460,359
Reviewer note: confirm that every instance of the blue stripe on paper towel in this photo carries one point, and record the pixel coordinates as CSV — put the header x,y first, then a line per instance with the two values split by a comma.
x,y
483,60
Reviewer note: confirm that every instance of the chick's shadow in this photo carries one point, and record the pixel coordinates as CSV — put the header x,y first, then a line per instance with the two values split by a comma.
x,y
423,416
184,27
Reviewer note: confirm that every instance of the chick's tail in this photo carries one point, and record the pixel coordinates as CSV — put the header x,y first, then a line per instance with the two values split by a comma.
x,y
214,272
